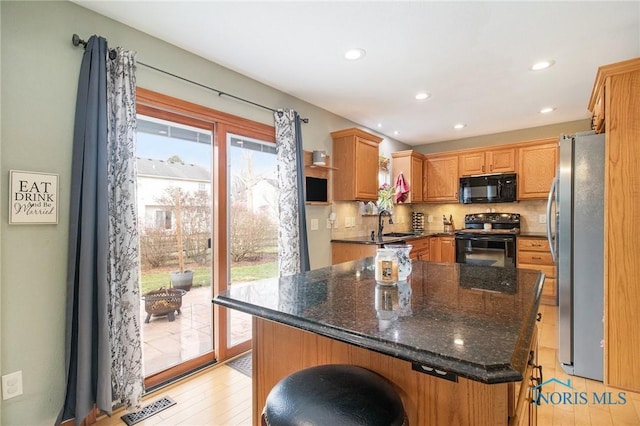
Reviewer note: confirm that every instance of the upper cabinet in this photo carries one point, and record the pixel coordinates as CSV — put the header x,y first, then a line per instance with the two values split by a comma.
x,y
537,167
479,162
409,163
355,157
440,178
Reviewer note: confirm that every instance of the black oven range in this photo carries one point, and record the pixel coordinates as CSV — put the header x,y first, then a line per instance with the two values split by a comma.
x,y
488,239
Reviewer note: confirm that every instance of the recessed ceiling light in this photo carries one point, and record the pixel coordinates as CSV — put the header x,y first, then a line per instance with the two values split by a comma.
x,y
420,96
354,54
547,110
395,132
542,65
379,125
459,126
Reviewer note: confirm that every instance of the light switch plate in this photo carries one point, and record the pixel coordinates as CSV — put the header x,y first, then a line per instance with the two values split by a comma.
x,y
12,385
314,224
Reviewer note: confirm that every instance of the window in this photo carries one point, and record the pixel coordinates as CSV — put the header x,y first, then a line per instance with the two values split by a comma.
x,y
163,219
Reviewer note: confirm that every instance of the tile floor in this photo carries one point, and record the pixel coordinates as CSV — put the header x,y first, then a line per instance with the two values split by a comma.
x,y
167,343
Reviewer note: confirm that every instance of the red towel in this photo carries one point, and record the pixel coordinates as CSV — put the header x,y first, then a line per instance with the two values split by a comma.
x,y
402,189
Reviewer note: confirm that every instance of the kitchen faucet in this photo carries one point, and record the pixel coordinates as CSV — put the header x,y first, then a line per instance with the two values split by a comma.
x,y
380,222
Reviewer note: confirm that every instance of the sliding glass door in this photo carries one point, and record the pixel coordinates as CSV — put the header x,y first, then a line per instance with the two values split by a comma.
x,y
207,203
174,193
253,223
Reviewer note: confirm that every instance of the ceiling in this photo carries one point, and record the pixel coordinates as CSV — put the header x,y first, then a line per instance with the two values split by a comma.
x,y
473,58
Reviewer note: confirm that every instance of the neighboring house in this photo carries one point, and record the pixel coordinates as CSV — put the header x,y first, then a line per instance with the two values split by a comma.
x,y
155,177
262,197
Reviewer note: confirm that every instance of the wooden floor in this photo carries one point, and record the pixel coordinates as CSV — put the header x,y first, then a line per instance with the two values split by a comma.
x,y
577,415
217,396
221,396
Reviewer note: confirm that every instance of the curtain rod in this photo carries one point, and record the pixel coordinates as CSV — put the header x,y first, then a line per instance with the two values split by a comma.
x,y
77,41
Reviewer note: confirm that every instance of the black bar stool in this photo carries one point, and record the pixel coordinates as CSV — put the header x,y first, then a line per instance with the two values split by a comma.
x,y
334,395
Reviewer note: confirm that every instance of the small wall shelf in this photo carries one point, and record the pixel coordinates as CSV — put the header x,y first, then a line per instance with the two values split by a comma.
x,y
318,166
318,172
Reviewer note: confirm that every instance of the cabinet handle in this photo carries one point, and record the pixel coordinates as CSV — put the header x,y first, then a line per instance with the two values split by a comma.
x,y
536,257
532,355
539,381
483,167
491,167
539,316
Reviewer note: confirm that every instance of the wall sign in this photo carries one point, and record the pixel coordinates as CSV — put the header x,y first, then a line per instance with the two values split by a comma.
x,y
33,198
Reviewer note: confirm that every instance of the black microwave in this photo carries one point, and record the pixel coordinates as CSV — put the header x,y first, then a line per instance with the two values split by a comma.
x,y
499,188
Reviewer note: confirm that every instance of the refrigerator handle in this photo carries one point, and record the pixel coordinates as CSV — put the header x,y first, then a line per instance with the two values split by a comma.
x,y
552,191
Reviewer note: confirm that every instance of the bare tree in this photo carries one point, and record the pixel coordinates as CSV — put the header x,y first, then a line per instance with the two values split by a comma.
x,y
155,246
192,213
250,233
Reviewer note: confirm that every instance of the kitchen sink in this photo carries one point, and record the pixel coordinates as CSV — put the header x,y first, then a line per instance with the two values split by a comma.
x,y
399,234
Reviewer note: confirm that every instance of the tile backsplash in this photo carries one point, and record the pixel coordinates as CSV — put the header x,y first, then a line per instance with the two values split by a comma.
x,y
348,213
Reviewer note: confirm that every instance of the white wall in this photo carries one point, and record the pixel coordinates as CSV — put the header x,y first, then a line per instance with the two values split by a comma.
x,y
40,69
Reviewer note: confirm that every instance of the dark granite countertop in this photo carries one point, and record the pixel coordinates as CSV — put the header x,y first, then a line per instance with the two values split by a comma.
x,y
389,239
473,321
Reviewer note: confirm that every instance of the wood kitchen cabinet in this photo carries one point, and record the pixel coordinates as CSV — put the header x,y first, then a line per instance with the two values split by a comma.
x,y
355,154
410,164
442,249
346,252
484,161
537,167
523,410
441,178
420,248
615,105
534,253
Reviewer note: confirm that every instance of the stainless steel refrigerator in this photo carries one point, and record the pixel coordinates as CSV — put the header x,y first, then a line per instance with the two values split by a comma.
x,y
576,235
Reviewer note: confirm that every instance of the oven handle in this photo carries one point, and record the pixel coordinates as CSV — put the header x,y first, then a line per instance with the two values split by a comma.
x,y
493,238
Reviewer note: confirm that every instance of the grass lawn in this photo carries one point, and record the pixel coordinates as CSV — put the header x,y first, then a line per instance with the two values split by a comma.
x,y
154,280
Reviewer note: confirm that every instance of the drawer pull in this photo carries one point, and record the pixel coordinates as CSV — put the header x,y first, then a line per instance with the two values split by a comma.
x,y
536,257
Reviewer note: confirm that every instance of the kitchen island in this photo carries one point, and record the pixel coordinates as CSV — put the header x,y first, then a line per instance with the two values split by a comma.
x,y
457,349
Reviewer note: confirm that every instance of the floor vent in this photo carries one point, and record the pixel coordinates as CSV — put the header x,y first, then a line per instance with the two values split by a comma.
x,y
148,411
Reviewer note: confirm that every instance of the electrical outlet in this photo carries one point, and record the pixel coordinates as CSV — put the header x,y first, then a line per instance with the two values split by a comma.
x,y
542,218
314,224
430,218
12,385
328,223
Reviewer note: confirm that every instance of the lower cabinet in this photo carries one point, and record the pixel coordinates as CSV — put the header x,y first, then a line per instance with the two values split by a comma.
x,y
523,401
420,250
432,249
534,253
346,252
442,249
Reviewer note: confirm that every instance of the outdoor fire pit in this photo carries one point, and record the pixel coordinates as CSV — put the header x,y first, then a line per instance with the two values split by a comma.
x,y
163,302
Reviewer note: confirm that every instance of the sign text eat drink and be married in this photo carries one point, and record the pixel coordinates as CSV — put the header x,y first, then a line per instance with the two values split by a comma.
x,y
33,198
